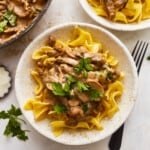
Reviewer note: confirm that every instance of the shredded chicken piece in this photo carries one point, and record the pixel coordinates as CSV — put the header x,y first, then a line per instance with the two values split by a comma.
x,y
95,84
67,60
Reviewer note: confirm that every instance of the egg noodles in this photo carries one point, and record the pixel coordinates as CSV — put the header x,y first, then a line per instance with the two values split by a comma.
x,y
77,83
124,11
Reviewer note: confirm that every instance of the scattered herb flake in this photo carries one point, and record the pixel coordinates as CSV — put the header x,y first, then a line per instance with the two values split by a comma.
x,y
13,127
11,18
95,95
83,66
60,108
58,89
82,86
3,25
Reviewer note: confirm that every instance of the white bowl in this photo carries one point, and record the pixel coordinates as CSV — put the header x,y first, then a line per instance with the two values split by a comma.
x,y
24,84
113,25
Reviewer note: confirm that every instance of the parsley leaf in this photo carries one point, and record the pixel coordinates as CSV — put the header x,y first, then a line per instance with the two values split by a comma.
x,y
60,108
58,89
10,17
87,65
82,86
13,127
83,66
95,95
71,79
3,25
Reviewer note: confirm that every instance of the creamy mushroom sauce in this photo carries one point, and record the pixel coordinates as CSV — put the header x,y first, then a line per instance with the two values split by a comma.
x,y
16,16
77,80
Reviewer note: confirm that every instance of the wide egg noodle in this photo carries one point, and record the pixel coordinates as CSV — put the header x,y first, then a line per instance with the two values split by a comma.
x,y
134,11
146,10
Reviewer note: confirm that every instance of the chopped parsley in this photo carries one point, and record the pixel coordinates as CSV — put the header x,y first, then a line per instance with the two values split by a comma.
x,y
3,25
95,95
71,83
82,86
64,90
60,108
10,19
13,128
83,66
58,89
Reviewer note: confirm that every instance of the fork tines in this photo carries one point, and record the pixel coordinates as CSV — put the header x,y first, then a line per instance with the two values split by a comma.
x,y
139,53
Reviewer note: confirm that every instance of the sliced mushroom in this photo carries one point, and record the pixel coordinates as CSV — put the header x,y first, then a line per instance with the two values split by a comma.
x,y
52,41
95,84
82,96
110,8
67,69
73,102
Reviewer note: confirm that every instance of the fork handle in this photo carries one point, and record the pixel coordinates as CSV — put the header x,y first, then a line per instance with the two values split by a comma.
x,y
116,138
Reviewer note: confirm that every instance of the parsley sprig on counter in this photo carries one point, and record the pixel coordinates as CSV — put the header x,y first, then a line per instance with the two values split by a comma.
x,y
13,128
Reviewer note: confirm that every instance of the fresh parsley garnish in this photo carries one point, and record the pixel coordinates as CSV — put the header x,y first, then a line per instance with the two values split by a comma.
x,y
3,25
64,90
71,79
9,18
60,108
13,127
82,86
83,66
95,95
58,89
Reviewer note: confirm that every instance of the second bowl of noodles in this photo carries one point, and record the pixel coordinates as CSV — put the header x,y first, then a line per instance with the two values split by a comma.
x,y
122,15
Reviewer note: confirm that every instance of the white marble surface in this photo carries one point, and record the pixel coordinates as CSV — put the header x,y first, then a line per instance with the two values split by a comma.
x,y
137,128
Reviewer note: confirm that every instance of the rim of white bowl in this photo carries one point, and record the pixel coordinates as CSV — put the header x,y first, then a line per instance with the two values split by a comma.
x,y
113,25
51,30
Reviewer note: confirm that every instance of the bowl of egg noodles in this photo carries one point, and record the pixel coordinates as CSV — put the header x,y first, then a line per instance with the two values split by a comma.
x,y
76,88
123,15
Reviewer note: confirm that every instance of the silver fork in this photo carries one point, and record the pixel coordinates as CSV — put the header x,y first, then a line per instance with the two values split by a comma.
x,y
138,54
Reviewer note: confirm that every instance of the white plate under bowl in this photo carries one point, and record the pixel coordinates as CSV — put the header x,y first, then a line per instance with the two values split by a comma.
x,y
113,25
24,84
